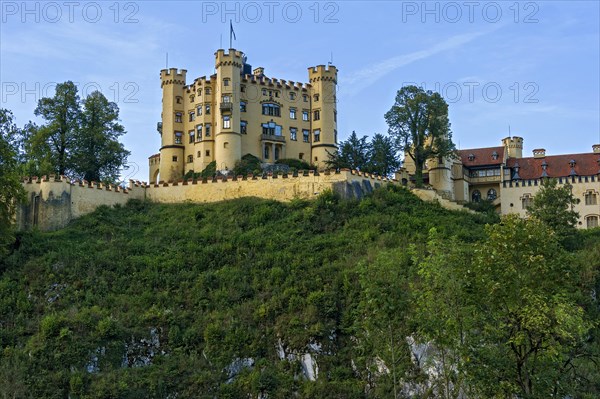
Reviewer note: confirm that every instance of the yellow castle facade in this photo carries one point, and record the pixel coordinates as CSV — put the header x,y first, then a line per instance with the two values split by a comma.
x,y
238,111
510,181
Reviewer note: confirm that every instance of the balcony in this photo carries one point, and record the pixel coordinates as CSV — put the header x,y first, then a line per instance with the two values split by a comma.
x,y
226,107
159,127
269,137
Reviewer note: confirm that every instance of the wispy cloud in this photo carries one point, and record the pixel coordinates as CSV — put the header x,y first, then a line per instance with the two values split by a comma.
x,y
359,80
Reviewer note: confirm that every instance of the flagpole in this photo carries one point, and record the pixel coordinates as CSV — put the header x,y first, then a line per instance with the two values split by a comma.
x,y
230,34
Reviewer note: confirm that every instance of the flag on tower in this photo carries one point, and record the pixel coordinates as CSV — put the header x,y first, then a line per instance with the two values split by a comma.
x,y
231,34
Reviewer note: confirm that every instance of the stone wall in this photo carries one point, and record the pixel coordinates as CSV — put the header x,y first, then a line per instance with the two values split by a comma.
x,y
54,201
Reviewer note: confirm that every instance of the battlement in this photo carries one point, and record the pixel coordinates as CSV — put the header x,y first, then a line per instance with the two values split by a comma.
x,y
573,180
323,72
173,76
264,81
231,57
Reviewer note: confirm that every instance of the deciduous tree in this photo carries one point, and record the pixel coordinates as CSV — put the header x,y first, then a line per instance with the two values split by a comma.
x,y
419,123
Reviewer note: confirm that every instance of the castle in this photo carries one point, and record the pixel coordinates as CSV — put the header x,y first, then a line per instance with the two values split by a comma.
x,y
510,181
239,111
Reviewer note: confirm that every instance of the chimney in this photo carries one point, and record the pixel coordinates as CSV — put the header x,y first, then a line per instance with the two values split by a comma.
x,y
539,153
596,148
258,72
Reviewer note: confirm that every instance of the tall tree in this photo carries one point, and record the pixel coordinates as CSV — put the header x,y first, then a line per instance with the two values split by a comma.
x,y
510,309
62,114
97,153
382,155
419,123
11,190
554,205
352,153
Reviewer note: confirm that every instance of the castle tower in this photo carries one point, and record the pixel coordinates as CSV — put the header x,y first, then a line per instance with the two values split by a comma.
x,y
513,147
324,113
440,176
228,138
172,131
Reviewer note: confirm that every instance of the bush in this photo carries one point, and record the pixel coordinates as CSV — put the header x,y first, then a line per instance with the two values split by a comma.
x,y
296,164
248,164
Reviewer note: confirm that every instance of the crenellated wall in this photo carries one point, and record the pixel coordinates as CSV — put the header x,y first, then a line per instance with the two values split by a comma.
x,y
54,201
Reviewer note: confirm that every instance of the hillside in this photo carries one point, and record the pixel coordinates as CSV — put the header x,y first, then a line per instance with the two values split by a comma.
x,y
226,300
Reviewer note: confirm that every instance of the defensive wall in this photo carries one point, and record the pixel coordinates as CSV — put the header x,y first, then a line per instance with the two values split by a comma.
x,y
53,201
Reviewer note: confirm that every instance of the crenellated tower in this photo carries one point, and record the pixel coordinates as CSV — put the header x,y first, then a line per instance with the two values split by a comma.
x,y
324,113
513,147
172,129
228,140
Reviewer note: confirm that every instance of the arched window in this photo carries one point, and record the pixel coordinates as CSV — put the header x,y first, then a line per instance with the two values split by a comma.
x,y
592,221
492,195
476,196
591,198
526,201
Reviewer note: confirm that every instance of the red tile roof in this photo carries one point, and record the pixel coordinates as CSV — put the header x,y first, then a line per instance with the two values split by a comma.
x,y
482,156
558,165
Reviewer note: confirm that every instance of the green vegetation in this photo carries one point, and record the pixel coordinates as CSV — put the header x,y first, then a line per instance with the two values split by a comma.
x,y
209,171
153,301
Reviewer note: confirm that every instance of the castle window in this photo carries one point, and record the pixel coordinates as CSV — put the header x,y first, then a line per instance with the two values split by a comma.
x,y
266,154
199,132
226,81
335,116
271,129
178,136
492,194
207,153
199,92
174,158
305,98
476,196
192,116
199,155
317,133
178,100
192,136
301,155
190,158
264,92
494,155
208,91
591,221
276,94
242,106
207,109
207,130
591,198
292,96
276,153
178,117
526,201
305,134
316,159
316,98
225,145
305,115
316,115
226,99
293,133
192,98
243,127
226,122
243,88
270,93
199,110
471,157
335,136
271,110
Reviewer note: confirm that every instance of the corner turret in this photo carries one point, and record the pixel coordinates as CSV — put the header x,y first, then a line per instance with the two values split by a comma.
x,y
323,80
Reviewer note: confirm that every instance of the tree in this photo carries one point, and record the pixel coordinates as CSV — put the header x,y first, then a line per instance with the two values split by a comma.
x,y
382,156
351,154
512,308
554,205
11,190
419,123
54,141
97,154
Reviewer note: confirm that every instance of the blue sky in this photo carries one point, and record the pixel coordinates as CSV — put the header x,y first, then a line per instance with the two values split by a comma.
x,y
532,65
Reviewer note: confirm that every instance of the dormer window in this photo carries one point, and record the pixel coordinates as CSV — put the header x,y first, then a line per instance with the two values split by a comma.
x,y
572,164
494,155
471,157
